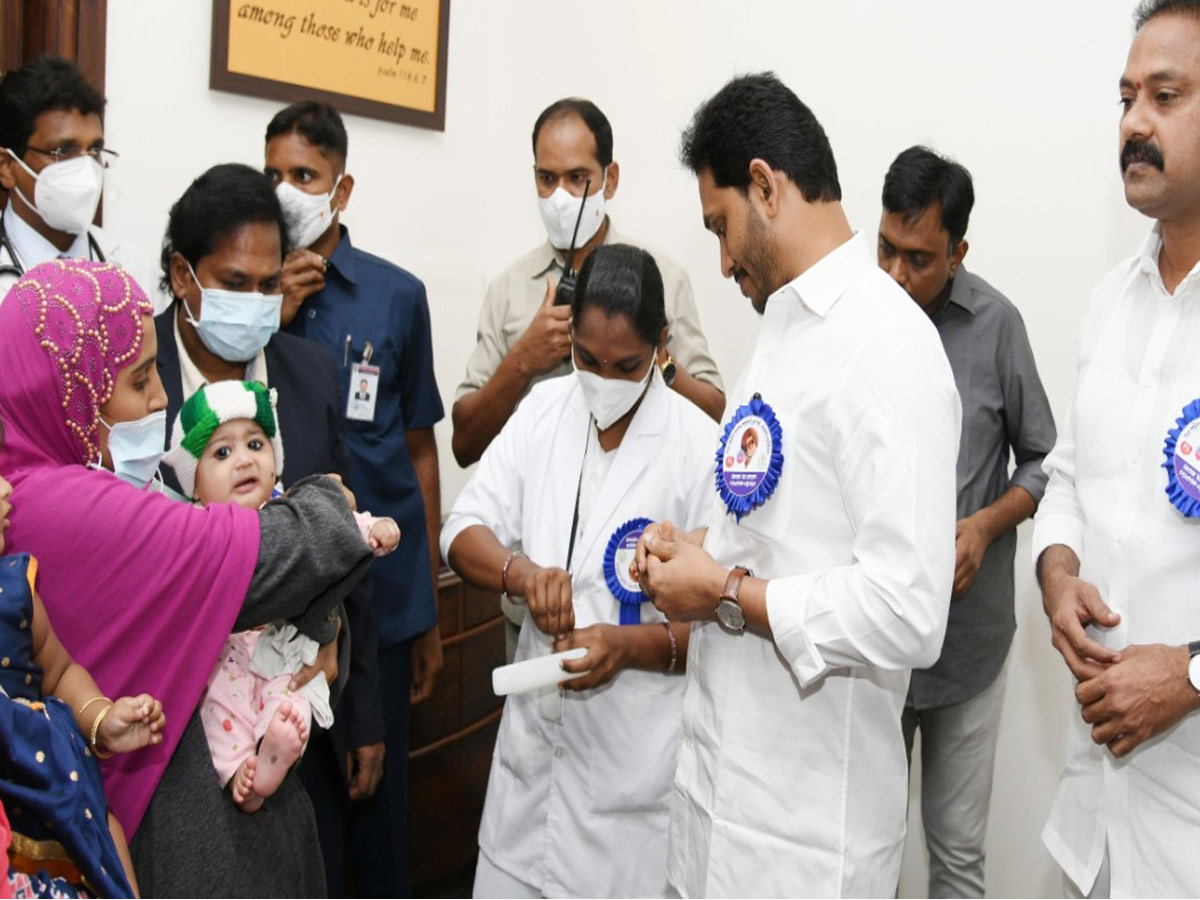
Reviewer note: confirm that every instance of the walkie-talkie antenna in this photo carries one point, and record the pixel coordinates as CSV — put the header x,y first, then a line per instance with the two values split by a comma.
x,y
579,218
565,292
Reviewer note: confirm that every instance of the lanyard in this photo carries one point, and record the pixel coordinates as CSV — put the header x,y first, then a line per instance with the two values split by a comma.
x,y
578,491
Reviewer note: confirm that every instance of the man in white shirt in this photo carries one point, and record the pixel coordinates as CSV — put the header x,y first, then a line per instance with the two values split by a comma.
x,y
1116,539
792,778
52,162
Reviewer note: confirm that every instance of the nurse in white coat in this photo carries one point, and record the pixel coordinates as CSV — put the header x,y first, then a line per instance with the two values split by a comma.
x,y
577,797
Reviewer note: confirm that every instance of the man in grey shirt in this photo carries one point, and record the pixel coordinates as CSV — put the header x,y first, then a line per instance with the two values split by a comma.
x,y
927,202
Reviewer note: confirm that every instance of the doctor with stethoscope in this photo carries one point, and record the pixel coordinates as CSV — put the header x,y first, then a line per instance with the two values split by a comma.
x,y
52,164
577,796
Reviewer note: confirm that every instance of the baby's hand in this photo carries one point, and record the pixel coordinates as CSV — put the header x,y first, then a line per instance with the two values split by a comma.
x,y
132,723
384,536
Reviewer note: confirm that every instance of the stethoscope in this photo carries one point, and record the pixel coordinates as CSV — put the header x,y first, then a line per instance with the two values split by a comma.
x,y
17,266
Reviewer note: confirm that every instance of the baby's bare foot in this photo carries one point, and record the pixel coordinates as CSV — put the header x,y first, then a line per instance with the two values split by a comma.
x,y
280,748
242,787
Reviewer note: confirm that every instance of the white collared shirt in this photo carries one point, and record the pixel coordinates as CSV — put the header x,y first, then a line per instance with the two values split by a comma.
x,y
1106,500
31,249
191,379
792,778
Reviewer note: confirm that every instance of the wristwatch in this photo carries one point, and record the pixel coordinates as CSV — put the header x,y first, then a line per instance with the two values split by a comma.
x,y
1194,666
668,369
729,611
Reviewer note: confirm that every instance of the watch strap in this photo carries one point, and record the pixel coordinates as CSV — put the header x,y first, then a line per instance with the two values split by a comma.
x,y
733,584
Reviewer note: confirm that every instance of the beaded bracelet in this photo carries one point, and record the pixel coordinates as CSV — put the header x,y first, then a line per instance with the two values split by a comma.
x,y
504,571
674,648
100,754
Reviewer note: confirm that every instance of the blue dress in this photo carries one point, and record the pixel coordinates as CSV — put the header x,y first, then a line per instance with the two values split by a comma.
x,y
49,781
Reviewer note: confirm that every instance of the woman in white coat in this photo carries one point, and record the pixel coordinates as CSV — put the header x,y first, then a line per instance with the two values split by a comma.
x,y
577,797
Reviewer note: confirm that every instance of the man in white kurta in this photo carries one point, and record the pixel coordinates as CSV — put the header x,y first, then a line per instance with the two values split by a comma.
x,y
1118,560
792,778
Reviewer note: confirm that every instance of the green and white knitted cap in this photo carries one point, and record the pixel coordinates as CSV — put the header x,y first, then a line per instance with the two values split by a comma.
x,y
209,408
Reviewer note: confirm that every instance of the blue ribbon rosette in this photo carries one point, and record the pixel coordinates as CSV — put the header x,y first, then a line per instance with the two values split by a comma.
x,y
1182,451
617,556
749,457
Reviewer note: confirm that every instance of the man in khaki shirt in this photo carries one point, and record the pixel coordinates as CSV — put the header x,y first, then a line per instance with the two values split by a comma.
x,y
523,337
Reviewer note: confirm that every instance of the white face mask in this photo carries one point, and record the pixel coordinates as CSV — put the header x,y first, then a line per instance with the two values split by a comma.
x,y
308,216
607,399
234,325
136,448
66,193
560,210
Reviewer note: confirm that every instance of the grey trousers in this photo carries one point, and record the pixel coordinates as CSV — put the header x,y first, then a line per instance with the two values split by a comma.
x,y
958,754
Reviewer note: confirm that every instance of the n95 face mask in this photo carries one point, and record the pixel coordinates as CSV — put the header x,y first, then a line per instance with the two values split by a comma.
x,y
308,216
607,399
65,193
560,210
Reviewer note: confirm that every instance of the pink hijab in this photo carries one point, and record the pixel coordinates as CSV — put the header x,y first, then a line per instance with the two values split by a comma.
x,y
141,590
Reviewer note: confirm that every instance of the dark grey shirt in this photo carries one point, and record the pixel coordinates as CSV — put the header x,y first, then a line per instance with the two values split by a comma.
x,y
1004,408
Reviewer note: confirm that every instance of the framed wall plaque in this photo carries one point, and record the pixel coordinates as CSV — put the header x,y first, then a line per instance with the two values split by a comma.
x,y
380,58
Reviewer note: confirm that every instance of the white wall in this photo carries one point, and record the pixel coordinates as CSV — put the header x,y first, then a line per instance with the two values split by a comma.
x,y
1023,93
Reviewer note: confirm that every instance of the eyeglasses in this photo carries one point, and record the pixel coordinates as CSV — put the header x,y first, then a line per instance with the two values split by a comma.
x,y
102,155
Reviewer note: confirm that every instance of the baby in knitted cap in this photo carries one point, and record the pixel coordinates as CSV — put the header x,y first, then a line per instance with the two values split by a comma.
x,y
226,447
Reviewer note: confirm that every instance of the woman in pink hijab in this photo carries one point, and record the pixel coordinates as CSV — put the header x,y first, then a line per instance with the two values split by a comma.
x,y
143,590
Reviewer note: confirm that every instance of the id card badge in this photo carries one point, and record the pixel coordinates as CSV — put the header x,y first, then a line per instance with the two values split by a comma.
x,y
364,386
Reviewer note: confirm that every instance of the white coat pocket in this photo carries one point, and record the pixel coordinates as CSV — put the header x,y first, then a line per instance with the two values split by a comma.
x,y
632,733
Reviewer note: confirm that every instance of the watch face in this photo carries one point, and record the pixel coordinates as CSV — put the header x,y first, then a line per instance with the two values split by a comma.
x,y
668,372
730,615
1194,672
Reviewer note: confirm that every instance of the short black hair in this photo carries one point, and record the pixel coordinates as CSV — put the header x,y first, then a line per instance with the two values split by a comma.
x,y
46,83
589,112
918,178
318,123
758,116
618,279
216,205
1151,9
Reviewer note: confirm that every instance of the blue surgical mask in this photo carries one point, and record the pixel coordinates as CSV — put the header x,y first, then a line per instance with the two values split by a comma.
x,y
234,325
136,447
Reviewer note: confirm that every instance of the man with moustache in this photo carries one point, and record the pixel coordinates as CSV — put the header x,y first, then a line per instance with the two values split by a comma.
x,y
1115,538
956,703
821,581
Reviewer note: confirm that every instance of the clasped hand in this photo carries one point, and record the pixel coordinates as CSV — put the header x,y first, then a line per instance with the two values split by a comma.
x,y
1126,696
676,573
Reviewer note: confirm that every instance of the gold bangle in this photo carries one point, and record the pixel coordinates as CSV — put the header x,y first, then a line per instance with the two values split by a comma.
x,y
84,708
100,754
